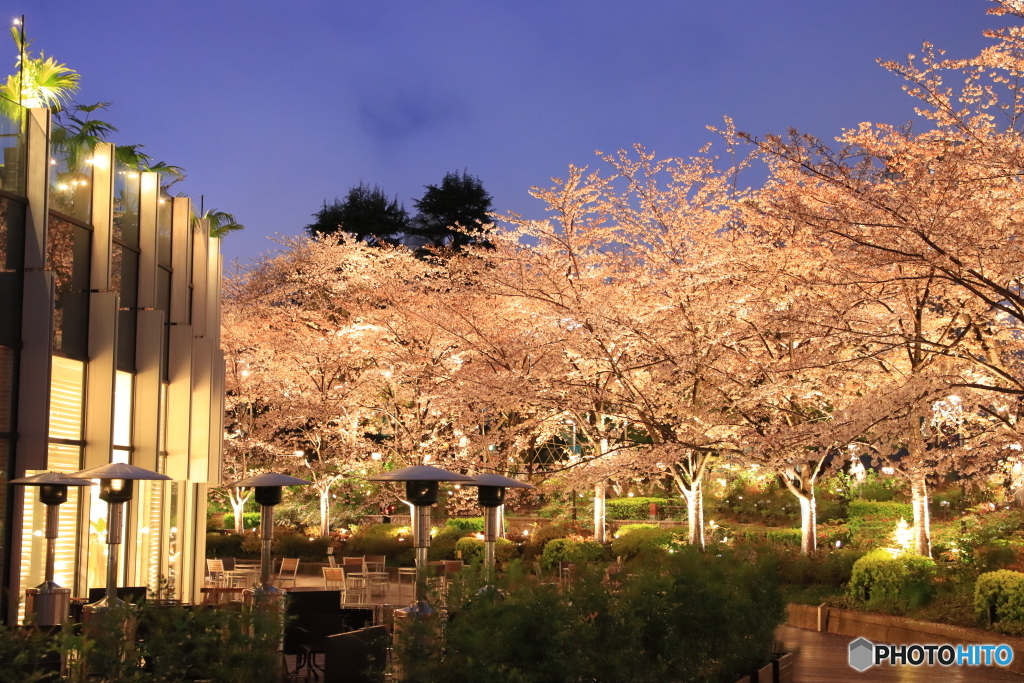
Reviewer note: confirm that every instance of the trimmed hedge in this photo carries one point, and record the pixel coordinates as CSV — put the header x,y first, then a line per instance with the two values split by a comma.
x,y
626,528
567,550
881,577
631,508
878,510
470,525
250,520
999,596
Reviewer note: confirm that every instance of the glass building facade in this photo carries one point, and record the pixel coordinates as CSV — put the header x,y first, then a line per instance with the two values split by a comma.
x,y
109,352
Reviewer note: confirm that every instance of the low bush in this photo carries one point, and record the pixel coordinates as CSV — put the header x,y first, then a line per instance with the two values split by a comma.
x,y
471,549
888,511
224,545
827,567
631,508
567,550
884,579
999,596
250,520
180,643
540,537
443,543
755,534
644,542
626,528
310,549
470,525
678,618
391,540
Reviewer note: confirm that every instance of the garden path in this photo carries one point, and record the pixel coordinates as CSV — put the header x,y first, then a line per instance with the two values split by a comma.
x,y
823,659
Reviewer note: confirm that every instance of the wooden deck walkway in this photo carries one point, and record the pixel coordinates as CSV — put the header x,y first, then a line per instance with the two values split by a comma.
x,y
823,659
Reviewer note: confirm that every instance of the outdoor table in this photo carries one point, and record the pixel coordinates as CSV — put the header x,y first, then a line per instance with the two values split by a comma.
x,y
214,595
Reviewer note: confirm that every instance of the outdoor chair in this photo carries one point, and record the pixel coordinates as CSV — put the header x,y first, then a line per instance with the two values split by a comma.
x,y
288,571
566,571
215,573
353,562
355,585
334,578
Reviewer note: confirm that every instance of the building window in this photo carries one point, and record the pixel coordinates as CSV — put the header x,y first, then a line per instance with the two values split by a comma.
x,y
67,255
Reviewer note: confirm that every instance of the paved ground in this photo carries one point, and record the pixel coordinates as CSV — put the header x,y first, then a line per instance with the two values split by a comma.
x,y
823,659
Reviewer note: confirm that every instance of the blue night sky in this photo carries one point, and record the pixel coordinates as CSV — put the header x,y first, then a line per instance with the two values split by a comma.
x,y
273,107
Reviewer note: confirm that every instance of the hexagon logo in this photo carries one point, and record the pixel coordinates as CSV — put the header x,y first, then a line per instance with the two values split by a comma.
x,y
862,654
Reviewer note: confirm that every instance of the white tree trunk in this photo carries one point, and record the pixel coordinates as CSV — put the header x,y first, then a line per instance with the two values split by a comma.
x,y
325,512
238,508
808,522
694,495
922,516
600,513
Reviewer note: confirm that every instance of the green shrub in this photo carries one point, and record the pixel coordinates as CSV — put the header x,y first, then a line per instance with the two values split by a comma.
x,y
472,549
180,643
886,579
540,537
224,545
391,540
468,524
300,546
999,596
755,534
250,520
566,550
827,567
626,528
643,542
631,508
679,618
878,510
442,545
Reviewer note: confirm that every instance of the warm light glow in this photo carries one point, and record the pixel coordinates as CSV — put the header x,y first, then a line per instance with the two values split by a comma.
x,y
479,536
526,532
375,456
116,484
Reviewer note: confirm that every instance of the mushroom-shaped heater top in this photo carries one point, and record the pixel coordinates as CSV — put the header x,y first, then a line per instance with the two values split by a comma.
x,y
116,479
491,491
268,486
53,486
421,482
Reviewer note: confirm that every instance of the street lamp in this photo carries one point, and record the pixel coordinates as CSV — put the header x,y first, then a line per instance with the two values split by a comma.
x,y
421,482
268,494
48,604
116,488
491,496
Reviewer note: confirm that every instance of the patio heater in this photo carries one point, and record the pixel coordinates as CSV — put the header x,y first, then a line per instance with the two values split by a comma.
x,y
268,494
48,604
491,496
116,488
421,483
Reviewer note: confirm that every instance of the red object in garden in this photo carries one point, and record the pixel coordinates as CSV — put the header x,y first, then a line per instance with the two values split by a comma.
x,y
652,511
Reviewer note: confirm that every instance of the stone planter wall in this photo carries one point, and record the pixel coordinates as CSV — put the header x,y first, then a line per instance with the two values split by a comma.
x,y
882,628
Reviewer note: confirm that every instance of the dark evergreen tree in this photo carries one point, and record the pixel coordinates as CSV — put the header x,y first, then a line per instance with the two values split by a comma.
x,y
367,213
460,200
